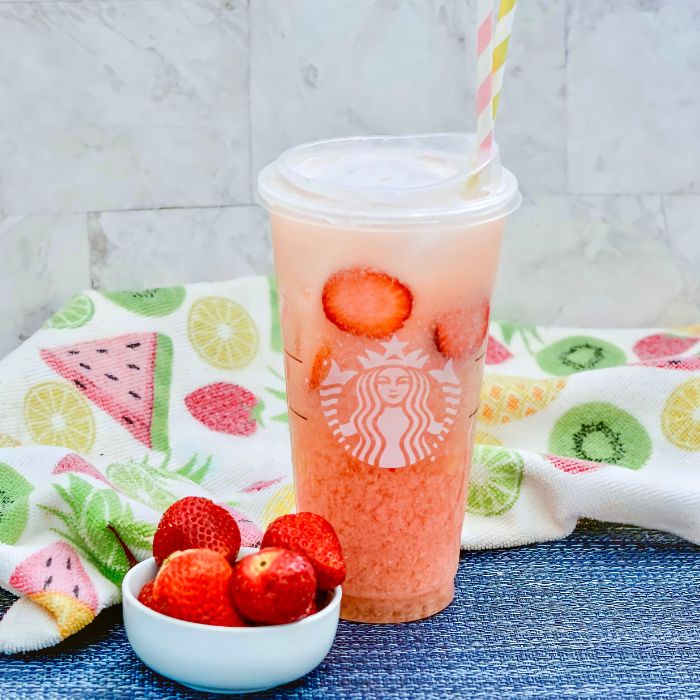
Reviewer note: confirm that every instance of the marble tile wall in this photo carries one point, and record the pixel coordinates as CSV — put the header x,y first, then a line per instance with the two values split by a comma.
x,y
131,133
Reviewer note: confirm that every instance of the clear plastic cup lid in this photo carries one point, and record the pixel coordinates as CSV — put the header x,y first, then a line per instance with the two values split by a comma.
x,y
390,179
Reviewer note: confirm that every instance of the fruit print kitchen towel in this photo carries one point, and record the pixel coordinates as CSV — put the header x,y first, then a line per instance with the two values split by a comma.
x,y
126,401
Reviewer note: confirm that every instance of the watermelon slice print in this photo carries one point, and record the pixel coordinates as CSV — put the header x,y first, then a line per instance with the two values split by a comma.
x,y
496,352
127,376
54,578
261,485
149,302
76,464
571,465
687,364
251,534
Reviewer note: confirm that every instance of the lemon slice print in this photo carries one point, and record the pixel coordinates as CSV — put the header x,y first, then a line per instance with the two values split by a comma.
x,y
495,480
75,314
223,333
680,419
56,414
281,503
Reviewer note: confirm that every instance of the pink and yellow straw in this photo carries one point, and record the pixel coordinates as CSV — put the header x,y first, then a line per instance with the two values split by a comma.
x,y
484,76
491,53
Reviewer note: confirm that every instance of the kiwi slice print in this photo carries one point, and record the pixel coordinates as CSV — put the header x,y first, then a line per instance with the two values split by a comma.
x,y
149,302
578,353
601,432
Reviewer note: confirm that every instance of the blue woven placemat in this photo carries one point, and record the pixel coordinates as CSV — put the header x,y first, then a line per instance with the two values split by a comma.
x,y
611,612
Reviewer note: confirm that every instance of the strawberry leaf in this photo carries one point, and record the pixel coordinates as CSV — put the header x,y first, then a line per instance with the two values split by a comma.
x,y
256,413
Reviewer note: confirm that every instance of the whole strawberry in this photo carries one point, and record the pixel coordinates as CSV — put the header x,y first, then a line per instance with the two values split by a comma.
x,y
196,523
146,595
314,537
273,586
193,585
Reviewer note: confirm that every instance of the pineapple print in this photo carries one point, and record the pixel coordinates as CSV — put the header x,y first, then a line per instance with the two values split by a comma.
x,y
102,527
505,399
483,438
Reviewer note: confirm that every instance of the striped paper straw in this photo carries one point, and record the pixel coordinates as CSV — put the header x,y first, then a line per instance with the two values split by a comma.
x,y
484,79
504,27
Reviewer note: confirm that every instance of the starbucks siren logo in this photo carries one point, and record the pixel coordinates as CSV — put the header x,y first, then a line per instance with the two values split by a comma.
x,y
384,413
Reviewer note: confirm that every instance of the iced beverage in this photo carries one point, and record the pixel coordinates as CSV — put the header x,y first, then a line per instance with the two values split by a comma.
x,y
386,251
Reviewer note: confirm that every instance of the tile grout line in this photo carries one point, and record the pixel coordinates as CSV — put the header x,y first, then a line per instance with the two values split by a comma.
x,y
567,17
92,219
97,212
245,205
75,2
249,26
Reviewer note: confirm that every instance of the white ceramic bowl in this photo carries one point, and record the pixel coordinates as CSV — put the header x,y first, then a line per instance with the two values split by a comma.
x,y
225,659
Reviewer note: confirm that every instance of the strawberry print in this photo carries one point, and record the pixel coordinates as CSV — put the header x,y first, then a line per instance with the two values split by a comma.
x,y
658,345
226,408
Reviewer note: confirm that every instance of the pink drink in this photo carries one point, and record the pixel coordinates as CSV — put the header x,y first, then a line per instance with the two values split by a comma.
x,y
385,261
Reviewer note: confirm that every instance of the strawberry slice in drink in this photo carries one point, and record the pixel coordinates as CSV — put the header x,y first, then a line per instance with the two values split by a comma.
x,y
460,333
320,367
366,302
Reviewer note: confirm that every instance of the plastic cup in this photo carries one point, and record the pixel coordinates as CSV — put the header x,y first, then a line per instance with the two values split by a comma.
x,y
386,251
